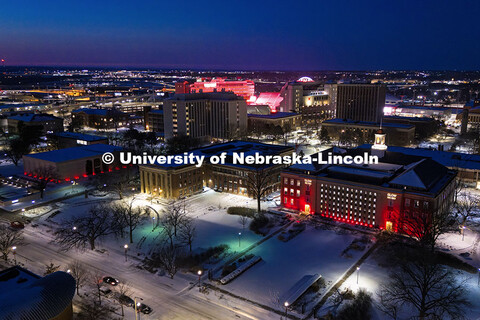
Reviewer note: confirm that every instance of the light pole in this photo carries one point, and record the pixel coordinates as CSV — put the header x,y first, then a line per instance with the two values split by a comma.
x,y
126,249
463,233
286,309
239,239
137,304
358,272
14,249
153,223
199,272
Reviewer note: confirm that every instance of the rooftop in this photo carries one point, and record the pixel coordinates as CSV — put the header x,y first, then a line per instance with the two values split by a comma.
x,y
25,295
74,153
275,115
34,117
98,111
368,124
228,96
80,136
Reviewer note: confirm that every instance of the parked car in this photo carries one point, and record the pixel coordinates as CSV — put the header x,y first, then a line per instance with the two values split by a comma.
x,y
143,308
110,280
126,300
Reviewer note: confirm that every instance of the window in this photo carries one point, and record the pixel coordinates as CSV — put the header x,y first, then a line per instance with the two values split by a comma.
x,y
285,180
407,202
298,183
416,203
425,205
285,200
292,192
390,202
298,193
292,182
285,191
292,201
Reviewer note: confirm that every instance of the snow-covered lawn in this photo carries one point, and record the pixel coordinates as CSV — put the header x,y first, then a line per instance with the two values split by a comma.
x,y
285,263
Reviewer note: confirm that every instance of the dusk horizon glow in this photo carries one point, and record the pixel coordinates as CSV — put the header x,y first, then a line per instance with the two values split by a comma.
x,y
267,35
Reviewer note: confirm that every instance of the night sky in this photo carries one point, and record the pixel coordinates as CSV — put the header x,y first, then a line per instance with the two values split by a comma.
x,y
272,35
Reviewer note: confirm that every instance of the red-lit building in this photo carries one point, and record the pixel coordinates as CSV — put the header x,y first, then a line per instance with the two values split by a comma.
x,y
242,88
388,195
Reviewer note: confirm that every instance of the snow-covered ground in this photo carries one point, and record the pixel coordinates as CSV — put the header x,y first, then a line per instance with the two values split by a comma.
x,y
314,251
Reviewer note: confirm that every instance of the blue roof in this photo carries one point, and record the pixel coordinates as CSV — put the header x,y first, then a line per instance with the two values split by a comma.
x,y
276,115
100,112
74,153
80,136
448,159
33,117
370,124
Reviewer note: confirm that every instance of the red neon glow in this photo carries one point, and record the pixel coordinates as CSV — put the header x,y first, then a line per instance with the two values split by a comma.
x,y
67,179
242,88
77,177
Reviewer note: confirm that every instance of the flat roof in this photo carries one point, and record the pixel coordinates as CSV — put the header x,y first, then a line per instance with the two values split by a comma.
x,y
275,115
368,124
80,136
74,153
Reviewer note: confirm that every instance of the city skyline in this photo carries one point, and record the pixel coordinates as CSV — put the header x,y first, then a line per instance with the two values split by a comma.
x,y
342,35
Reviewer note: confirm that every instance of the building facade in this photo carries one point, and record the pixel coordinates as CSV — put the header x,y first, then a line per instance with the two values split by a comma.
x,y
205,115
99,118
360,102
384,195
48,123
176,181
265,122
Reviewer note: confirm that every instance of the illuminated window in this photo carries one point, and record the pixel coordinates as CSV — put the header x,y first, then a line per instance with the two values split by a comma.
x,y
285,190
292,201
298,193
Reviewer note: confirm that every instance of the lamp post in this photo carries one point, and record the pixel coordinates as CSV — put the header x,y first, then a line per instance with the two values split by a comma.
x,y
153,223
137,304
126,249
286,309
14,249
463,233
358,272
199,272
478,277
239,239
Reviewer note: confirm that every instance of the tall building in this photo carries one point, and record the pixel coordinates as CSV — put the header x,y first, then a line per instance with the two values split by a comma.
x,y
205,115
311,99
360,102
242,88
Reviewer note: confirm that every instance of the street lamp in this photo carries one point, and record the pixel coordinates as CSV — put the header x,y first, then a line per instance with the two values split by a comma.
x,y
153,223
286,309
463,233
239,238
74,228
137,304
126,249
14,248
358,272
199,272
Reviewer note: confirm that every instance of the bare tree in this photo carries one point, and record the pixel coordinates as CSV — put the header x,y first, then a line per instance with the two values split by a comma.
x,y
85,231
44,175
94,311
79,273
467,206
426,286
243,220
166,257
123,289
8,239
96,279
187,233
174,216
126,216
427,227
51,268
259,182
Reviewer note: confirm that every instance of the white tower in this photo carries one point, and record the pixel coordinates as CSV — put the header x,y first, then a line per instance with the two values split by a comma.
x,y
379,147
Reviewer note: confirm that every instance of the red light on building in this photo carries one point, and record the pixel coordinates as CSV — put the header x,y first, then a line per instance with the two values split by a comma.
x,y
242,88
